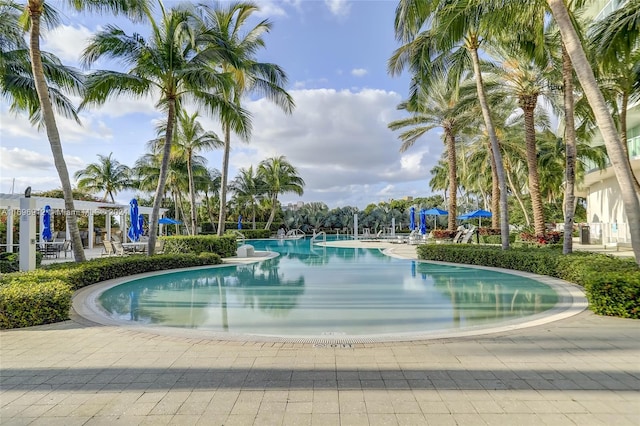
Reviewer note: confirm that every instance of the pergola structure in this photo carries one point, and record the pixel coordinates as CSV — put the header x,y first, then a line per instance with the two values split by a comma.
x,y
10,203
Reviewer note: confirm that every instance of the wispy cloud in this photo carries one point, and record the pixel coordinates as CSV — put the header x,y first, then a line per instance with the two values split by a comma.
x,y
339,8
359,72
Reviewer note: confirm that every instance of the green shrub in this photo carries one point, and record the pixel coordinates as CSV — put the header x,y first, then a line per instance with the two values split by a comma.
x,y
612,284
495,239
10,262
254,233
25,302
80,275
224,246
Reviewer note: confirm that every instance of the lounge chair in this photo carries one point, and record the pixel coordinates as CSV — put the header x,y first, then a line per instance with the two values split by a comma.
x,y
66,247
108,248
159,247
466,238
119,249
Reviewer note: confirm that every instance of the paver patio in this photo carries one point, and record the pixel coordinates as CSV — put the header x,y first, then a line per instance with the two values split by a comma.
x,y
584,370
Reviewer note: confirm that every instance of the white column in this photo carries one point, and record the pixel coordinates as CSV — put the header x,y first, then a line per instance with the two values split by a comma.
x,y
67,231
27,234
123,228
355,226
108,225
393,226
9,230
91,230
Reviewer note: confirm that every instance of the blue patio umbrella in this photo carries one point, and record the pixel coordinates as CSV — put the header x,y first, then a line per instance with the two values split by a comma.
x,y
240,222
476,214
436,212
134,230
141,224
46,223
412,218
423,222
169,221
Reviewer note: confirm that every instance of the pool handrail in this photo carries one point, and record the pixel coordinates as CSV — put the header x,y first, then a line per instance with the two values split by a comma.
x,y
315,237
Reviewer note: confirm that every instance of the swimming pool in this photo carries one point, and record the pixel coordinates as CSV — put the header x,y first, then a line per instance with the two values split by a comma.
x,y
312,291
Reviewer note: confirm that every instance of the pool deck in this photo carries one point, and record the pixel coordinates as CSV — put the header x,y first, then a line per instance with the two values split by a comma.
x,y
582,370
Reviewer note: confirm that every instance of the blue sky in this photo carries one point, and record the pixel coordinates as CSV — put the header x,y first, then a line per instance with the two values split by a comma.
x,y
335,54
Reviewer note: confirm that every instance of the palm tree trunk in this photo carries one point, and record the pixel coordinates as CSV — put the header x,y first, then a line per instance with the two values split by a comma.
x,y
453,179
570,152
516,193
162,179
528,106
272,215
222,216
495,151
192,193
604,120
495,194
35,8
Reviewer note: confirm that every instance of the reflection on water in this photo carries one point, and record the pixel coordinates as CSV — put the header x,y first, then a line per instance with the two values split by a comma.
x,y
321,291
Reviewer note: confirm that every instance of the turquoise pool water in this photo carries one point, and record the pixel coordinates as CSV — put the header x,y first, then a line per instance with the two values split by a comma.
x,y
318,291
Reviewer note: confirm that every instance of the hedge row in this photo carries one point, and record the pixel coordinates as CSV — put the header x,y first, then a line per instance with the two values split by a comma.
x,y
255,233
43,296
612,284
224,246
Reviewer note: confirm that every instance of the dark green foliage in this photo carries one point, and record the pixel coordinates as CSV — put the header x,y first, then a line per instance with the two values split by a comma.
x,y
10,262
224,246
44,296
612,284
25,302
256,233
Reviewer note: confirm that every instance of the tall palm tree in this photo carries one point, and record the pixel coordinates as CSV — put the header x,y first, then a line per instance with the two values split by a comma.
x,y
280,177
435,107
170,64
249,191
605,122
36,10
191,138
106,175
451,46
233,50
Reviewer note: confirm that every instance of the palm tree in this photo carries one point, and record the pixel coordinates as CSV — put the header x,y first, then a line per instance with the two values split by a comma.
x,y
433,108
605,122
36,10
450,47
233,51
106,175
170,63
280,177
190,139
249,191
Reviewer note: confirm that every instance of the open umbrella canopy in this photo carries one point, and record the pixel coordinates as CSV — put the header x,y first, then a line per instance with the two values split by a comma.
x,y
478,213
46,223
134,230
412,218
436,212
169,221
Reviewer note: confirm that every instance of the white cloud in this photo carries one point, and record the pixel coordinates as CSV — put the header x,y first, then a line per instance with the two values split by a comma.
x,y
339,8
67,42
24,160
359,72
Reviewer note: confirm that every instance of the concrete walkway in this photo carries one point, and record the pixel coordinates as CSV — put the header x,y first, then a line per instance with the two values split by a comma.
x,y
584,370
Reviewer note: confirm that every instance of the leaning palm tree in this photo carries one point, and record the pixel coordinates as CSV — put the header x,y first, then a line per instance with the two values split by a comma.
x,y
233,51
605,122
191,138
36,11
280,177
169,64
106,175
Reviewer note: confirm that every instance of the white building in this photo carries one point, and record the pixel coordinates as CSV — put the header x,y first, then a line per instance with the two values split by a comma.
x,y
605,210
